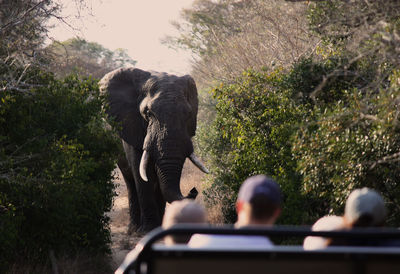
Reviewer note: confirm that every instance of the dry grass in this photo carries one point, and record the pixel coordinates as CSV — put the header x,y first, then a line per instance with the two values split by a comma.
x,y
122,242
215,215
193,177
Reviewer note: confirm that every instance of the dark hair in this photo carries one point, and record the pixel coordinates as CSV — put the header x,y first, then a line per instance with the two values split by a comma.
x,y
262,208
364,220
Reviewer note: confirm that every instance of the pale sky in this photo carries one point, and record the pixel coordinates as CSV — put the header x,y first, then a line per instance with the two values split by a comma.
x,y
135,25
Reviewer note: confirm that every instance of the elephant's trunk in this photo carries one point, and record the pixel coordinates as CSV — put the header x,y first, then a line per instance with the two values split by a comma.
x,y
169,174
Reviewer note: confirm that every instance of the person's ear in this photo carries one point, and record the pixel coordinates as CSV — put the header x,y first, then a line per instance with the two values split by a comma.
x,y
239,206
276,214
347,223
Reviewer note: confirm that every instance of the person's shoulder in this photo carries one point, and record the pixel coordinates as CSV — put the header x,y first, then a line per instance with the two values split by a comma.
x,y
199,240
206,240
256,241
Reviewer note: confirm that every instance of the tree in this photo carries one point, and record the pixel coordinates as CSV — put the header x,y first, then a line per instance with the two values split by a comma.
x,y
88,58
322,125
22,32
353,141
256,118
56,154
56,164
229,37
366,33
352,144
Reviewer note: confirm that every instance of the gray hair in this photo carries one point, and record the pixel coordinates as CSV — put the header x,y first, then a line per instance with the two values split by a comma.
x,y
183,212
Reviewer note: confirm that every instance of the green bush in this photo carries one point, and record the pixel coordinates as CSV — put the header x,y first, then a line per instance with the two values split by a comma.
x,y
324,126
322,81
56,165
351,145
259,120
351,141
256,118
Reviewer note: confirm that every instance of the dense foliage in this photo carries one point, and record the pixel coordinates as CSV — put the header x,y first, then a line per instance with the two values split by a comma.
x,y
255,120
322,126
56,163
56,155
353,143
22,33
317,108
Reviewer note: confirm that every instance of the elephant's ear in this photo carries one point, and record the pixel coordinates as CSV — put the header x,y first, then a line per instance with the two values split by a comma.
x,y
191,95
124,92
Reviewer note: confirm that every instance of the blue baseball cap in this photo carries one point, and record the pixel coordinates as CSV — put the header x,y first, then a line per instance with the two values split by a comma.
x,y
260,185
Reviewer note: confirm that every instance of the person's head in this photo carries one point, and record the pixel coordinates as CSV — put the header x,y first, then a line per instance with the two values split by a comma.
x,y
182,212
364,207
259,201
326,223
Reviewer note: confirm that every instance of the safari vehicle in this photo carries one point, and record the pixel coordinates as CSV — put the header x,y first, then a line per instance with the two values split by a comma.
x,y
151,256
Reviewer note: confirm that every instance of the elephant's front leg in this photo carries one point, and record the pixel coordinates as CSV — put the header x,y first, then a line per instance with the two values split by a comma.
x,y
134,206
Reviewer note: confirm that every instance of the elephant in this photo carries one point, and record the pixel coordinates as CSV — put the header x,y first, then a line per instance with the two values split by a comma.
x,y
157,117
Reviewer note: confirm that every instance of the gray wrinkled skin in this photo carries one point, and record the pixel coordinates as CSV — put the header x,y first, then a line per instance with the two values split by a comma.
x,y
157,113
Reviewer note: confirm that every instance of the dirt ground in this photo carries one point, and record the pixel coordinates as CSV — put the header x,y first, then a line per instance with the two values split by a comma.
x,y
122,243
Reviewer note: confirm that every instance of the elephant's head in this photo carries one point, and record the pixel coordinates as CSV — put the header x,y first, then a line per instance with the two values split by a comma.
x,y
158,113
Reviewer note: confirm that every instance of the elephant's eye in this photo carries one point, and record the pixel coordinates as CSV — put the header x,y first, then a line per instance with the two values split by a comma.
x,y
146,112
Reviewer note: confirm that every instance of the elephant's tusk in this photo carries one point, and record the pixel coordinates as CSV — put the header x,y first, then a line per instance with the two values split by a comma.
x,y
143,165
196,161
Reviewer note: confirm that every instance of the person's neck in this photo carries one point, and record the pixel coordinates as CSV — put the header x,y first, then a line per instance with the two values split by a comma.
x,y
245,217
244,223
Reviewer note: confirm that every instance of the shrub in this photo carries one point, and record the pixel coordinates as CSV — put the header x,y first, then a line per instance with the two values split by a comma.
x,y
352,145
326,125
56,168
256,118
